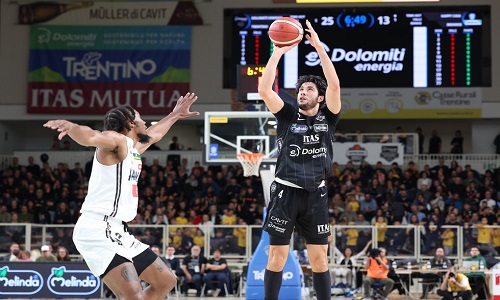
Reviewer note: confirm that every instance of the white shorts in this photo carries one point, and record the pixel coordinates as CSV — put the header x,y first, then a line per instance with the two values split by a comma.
x,y
98,241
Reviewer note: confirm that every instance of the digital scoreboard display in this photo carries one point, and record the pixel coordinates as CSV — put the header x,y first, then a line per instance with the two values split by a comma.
x,y
387,47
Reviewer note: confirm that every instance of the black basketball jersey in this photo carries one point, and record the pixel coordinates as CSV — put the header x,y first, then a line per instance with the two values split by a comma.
x,y
305,146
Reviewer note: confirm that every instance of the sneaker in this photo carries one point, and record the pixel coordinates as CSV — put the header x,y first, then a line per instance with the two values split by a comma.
x,y
216,293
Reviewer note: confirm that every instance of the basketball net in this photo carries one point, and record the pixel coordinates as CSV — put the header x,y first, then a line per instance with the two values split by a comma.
x,y
251,163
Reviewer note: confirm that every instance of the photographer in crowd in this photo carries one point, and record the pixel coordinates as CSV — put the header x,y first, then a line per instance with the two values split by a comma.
x,y
455,286
377,270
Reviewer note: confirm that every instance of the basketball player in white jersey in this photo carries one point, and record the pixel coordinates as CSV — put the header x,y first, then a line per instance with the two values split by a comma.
x,y
101,234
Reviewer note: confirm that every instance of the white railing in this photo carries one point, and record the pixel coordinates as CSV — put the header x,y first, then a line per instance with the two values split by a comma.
x,y
33,236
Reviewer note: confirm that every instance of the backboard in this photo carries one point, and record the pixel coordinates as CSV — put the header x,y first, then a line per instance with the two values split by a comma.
x,y
228,133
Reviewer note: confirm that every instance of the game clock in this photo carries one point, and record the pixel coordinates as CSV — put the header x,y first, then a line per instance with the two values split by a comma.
x,y
370,47
249,77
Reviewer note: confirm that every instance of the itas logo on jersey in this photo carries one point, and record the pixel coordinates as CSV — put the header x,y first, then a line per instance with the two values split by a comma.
x,y
298,128
323,228
311,139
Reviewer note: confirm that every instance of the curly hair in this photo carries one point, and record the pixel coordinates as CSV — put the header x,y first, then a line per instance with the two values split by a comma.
x,y
116,119
317,80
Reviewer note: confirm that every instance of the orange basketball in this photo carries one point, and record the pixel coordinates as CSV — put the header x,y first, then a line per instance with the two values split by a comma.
x,y
285,31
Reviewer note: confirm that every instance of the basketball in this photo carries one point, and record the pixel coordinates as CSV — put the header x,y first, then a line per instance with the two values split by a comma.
x,y
285,31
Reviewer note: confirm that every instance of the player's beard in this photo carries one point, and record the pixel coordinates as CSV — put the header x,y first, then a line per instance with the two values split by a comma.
x,y
309,104
143,138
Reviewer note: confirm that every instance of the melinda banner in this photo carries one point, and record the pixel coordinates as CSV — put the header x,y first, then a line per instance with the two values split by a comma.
x,y
371,152
91,69
48,280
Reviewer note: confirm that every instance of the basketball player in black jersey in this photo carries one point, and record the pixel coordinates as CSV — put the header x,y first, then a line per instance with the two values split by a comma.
x,y
298,194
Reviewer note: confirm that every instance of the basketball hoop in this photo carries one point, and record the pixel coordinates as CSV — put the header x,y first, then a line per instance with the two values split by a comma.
x,y
250,162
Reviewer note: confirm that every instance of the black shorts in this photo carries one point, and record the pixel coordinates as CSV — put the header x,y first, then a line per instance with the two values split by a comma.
x,y
294,207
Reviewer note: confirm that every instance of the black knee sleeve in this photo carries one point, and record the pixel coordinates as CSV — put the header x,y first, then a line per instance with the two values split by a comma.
x,y
144,260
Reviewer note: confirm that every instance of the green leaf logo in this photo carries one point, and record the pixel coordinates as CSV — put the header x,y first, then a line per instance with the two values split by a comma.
x,y
58,272
3,272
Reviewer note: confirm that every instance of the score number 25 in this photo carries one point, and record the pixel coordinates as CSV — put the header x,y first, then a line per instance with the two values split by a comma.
x,y
327,21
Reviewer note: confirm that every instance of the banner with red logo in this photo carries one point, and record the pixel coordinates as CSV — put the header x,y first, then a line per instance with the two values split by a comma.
x,y
91,69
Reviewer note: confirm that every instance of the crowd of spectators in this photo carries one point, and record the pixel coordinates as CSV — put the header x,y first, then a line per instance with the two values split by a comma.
x,y
434,197
170,194
176,194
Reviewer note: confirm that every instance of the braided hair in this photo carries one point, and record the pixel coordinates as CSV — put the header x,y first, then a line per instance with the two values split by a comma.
x,y
117,118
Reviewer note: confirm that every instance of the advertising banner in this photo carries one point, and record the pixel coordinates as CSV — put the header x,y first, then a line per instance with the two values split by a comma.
x,y
48,280
110,13
91,69
370,152
411,103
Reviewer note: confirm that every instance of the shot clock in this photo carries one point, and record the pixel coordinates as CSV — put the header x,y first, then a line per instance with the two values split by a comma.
x,y
371,47
249,77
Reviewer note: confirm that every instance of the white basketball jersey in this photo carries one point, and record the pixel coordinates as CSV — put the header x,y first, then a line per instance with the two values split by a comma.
x,y
113,189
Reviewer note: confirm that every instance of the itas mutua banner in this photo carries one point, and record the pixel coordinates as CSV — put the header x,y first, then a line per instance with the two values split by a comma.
x,y
91,69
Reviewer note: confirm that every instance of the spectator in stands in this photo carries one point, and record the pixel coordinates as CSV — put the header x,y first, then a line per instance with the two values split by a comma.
x,y
457,143
175,145
63,214
496,142
216,269
368,207
434,143
477,279
61,239
15,232
13,253
187,241
345,273
197,169
25,216
241,234
448,240
24,256
349,213
193,267
199,239
66,146
172,261
62,254
5,216
420,140
218,242
47,255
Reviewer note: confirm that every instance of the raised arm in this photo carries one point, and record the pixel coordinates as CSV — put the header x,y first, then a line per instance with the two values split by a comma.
x,y
332,95
273,102
87,136
180,111
363,252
